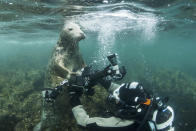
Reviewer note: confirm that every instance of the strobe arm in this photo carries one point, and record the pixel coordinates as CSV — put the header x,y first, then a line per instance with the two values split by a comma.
x,y
51,94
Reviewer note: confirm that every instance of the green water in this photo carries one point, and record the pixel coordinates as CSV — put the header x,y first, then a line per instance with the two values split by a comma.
x,y
155,43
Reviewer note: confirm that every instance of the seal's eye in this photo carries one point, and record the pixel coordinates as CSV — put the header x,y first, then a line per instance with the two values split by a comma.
x,y
70,29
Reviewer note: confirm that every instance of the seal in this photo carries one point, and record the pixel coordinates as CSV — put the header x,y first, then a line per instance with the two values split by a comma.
x,y
66,59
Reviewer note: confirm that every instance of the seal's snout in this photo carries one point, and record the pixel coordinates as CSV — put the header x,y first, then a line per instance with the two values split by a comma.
x,y
83,36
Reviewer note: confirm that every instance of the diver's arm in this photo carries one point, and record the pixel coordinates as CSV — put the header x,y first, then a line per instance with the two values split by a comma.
x,y
113,87
84,120
108,85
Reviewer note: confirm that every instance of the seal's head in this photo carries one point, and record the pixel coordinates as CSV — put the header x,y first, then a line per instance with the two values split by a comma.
x,y
72,33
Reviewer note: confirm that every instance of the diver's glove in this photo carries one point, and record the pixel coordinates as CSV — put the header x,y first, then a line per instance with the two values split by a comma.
x,y
106,83
75,92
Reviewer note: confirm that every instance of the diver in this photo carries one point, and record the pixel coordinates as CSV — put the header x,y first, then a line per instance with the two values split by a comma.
x,y
137,109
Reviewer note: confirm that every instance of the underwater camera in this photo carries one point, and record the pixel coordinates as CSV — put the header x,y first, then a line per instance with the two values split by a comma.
x,y
88,78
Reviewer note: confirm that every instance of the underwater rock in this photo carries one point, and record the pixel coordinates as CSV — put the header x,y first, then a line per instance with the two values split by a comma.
x,y
20,102
8,122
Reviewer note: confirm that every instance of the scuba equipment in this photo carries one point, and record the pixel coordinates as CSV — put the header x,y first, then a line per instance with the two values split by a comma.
x,y
135,103
151,126
164,119
148,101
163,116
161,103
131,100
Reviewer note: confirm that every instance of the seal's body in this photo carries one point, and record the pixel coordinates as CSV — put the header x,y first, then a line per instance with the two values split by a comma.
x,y
66,59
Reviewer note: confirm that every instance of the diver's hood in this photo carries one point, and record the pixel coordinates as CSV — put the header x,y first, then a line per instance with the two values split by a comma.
x,y
130,94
